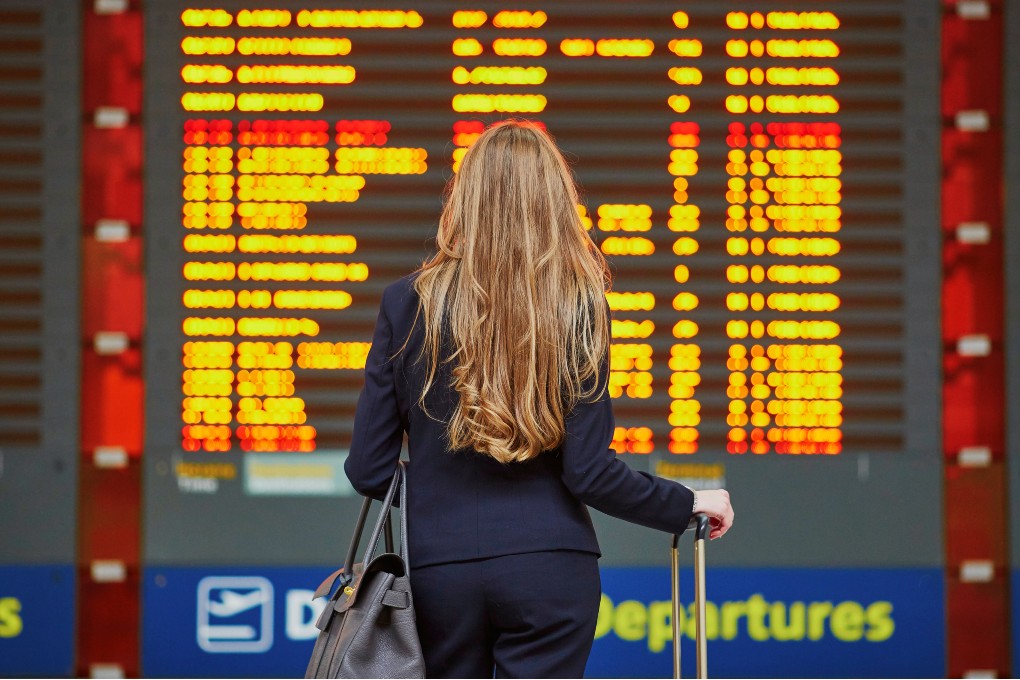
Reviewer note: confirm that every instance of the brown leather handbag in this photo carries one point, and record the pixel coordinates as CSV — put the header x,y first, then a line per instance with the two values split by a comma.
x,y
367,629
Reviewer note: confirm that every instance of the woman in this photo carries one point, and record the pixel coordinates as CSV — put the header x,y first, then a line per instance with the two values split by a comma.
x,y
494,358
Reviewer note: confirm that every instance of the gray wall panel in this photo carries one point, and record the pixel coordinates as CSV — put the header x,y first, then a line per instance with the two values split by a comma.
x,y
1011,257
41,225
1011,228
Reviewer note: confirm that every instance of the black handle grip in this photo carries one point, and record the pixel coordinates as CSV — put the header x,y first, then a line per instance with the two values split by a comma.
x,y
704,526
701,525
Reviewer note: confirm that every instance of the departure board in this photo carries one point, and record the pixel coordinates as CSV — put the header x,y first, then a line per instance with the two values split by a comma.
x,y
759,175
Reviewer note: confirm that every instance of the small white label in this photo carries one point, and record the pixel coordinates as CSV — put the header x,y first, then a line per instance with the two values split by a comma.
x,y
109,671
977,571
198,484
973,9
110,342
972,121
110,6
110,457
974,456
112,231
974,346
297,474
108,571
111,117
973,233
981,673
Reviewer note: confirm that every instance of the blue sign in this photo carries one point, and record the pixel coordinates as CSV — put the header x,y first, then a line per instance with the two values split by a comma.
x,y
229,622
37,613
783,623
1015,590
252,622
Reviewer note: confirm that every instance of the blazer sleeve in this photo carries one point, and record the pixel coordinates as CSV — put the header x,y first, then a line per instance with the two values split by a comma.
x,y
378,428
596,476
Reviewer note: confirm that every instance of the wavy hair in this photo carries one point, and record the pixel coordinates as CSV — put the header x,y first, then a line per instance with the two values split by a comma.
x,y
518,286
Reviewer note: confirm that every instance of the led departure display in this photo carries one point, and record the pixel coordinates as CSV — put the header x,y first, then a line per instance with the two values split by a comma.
x,y
249,182
743,166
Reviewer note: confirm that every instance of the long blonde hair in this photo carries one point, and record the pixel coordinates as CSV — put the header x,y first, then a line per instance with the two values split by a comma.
x,y
521,288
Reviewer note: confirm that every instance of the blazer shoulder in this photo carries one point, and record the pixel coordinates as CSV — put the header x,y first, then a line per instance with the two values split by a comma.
x,y
400,298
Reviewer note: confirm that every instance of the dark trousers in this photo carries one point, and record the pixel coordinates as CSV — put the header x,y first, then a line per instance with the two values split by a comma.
x,y
521,616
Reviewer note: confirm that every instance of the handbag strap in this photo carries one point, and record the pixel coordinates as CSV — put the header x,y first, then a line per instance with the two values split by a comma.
x,y
352,551
398,483
403,514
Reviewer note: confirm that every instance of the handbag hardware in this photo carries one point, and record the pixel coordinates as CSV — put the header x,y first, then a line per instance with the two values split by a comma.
x,y
326,587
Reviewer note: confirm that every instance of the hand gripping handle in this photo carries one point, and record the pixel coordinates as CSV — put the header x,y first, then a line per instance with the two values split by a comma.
x,y
702,526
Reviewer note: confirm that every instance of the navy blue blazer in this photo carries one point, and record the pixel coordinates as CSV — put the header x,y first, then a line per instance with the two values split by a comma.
x,y
463,505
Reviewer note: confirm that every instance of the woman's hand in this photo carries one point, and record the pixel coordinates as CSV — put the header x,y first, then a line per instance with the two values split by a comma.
x,y
716,504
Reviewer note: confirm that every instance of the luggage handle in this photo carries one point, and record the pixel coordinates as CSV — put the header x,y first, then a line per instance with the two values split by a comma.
x,y
702,526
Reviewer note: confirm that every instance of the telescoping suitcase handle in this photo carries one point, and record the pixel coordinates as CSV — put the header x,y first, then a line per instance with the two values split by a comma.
x,y
702,526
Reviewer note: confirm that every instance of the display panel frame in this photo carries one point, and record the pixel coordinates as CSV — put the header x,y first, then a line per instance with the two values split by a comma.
x,y
866,487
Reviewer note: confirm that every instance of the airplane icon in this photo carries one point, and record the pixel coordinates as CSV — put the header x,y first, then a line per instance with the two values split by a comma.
x,y
231,602
235,614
